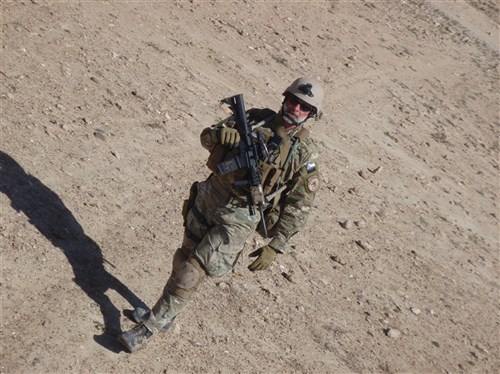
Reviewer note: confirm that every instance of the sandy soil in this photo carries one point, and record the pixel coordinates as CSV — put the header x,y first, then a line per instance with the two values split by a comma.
x,y
101,107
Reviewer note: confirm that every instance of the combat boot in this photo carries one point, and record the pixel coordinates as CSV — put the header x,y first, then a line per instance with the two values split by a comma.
x,y
141,314
134,338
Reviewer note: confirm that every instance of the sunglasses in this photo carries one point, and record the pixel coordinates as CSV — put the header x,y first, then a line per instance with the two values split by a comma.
x,y
303,106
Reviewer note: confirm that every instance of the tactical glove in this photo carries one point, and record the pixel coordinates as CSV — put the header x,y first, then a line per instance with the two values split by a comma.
x,y
229,137
266,256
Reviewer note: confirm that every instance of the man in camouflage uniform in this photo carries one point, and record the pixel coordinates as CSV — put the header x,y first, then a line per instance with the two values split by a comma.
x,y
216,216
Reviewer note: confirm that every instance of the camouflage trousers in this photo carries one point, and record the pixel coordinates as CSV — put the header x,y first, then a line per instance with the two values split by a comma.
x,y
216,229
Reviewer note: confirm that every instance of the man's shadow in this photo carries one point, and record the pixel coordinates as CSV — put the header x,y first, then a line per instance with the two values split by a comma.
x,y
50,216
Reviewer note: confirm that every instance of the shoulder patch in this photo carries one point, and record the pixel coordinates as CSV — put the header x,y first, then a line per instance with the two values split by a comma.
x,y
313,183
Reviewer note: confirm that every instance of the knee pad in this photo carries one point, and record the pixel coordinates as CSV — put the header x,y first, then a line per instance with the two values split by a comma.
x,y
186,278
180,256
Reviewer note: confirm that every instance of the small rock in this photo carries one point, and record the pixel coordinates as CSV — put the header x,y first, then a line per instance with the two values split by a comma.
x,y
155,125
431,311
36,361
415,310
111,93
288,277
363,174
194,343
138,95
114,153
360,224
346,224
337,259
376,170
364,245
393,333
481,348
100,134
66,71
353,191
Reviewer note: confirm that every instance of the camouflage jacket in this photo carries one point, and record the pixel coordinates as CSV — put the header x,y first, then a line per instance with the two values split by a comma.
x,y
289,174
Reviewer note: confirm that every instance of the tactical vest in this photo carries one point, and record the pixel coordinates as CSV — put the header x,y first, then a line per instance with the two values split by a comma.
x,y
275,169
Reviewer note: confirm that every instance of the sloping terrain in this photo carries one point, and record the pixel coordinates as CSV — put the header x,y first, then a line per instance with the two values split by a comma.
x,y
102,104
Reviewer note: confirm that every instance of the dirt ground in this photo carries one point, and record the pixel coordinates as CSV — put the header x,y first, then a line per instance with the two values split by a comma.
x,y
397,270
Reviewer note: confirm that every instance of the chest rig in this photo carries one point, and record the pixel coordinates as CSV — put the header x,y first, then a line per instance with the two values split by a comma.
x,y
272,168
276,168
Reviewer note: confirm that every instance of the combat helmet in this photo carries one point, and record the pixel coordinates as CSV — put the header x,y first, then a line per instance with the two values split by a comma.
x,y
308,90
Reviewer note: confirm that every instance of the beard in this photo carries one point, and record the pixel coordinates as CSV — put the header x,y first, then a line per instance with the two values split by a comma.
x,y
293,119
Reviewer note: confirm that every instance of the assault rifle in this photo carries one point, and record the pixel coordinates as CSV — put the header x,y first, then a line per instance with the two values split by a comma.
x,y
251,150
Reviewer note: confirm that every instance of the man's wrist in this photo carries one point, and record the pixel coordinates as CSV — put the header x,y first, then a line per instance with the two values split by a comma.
x,y
277,244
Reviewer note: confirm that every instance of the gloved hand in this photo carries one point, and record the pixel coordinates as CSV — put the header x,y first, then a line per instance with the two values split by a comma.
x,y
229,137
266,256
